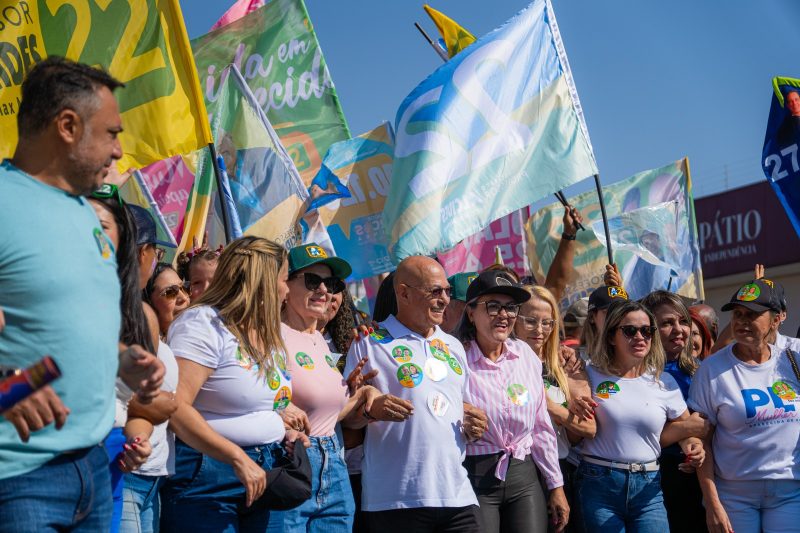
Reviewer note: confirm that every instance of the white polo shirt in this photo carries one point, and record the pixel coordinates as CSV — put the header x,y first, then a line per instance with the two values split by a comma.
x,y
416,463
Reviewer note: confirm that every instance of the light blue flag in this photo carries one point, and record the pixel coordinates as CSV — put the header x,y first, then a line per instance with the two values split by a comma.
x,y
234,225
493,130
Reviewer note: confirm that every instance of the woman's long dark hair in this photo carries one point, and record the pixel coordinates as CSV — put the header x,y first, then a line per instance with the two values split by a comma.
x,y
147,292
341,325
385,300
134,329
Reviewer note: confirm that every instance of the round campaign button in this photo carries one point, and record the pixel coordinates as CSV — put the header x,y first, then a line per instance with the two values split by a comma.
x,y
518,394
409,375
435,369
304,360
438,404
606,389
401,354
280,361
282,399
243,359
454,365
273,379
440,350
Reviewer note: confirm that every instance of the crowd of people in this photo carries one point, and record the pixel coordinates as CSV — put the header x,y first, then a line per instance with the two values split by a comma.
x,y
242,390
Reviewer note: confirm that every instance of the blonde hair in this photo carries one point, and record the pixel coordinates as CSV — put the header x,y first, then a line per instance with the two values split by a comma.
x,y
551,347
604,355
245,294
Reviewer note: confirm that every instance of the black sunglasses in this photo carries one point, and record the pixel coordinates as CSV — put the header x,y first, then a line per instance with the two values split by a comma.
x,y
313,281
630,331
493,308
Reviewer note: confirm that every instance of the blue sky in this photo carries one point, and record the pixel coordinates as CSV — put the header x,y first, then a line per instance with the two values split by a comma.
x,y
657,80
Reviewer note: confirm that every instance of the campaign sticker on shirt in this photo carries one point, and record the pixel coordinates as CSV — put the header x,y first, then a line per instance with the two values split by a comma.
x,y
453,362
784,391
280,360
518,394
304,360
438,404
409,375
435,369
243,359
606,389
381,336
273,379
333,359
401,354
282,399
102,243
440,350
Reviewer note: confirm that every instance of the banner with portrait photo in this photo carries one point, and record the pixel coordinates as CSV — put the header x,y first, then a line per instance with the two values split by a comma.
x,y
780,158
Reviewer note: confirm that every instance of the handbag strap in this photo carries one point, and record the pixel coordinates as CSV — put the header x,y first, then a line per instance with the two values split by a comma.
x,y
793,361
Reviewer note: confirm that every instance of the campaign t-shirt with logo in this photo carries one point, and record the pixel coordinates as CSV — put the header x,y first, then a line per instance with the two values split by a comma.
x,y
59,292
418,462
756,411
793,343
318,387
236,402
630,415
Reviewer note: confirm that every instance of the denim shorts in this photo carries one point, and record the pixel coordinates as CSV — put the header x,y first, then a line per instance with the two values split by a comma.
x,y
614,500
205,494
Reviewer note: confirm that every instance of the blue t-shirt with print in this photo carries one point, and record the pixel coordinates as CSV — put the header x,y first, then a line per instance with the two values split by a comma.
x,y
60,295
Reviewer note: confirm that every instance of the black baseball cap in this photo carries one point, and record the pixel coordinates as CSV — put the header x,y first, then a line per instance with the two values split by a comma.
x,y
312,253
781,293
603,297
496,282
758,295
146,232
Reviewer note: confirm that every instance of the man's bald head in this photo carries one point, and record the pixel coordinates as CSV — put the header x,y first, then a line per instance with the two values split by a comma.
x,y
421,286
709,316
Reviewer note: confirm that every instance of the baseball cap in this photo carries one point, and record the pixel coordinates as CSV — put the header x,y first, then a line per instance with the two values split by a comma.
x,y
781,293
758,295
146,232
576,313
496,282
312,253
604,296
459,284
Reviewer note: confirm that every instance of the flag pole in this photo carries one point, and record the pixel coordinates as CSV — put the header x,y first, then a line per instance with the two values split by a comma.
x,y
438,50
563,199
605,218
222,204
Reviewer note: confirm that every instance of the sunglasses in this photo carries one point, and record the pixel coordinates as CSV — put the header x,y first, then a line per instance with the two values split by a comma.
x,y
313,281
493,308
530,322
171,292
433,292
108,190
630,331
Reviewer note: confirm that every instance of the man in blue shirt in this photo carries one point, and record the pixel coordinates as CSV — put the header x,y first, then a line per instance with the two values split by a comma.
x,y
60,293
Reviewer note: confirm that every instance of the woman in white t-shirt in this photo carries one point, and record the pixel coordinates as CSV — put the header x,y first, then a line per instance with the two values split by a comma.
x,y
749,392
618,480
232,382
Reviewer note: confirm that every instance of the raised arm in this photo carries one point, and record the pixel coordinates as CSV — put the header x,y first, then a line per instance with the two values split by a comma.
x,y
561,270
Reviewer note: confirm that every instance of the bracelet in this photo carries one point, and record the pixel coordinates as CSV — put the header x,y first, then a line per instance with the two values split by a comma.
x,y
568,237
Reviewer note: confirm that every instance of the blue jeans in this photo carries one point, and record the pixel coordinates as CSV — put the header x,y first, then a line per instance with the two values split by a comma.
x,y
614,500
113,444
141,507
205,494
70,493
330,508
769,505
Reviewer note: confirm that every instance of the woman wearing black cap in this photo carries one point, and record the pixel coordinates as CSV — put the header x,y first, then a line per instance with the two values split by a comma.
x,y
505,380
749,391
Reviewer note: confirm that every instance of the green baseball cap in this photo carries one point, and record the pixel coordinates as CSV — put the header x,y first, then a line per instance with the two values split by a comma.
x,y
312,253
459,283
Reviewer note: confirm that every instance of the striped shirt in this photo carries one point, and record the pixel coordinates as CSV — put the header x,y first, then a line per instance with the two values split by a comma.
x,y
511,391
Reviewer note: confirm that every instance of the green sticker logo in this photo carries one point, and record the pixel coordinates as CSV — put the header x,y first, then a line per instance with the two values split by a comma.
x,y
748,293
304,360
518,394
606,389
784,391
273,379
409,375
402,354
454,365
282,399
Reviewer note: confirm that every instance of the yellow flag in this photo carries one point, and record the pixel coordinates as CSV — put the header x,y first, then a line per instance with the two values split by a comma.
x,y
142,43
455,37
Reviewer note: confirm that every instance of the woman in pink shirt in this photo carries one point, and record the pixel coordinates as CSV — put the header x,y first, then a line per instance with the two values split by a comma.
x,y
505,380
320,395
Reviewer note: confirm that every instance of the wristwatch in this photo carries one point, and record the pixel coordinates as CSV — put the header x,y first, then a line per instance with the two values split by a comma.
x,y
568,237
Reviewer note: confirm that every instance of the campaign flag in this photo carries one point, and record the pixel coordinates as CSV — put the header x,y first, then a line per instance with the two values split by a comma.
x,y
478,251
493,130
234,225
266,188
239,9
276,50
170,182
135,191
780,159
625,201
354,223
143,44
455,37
